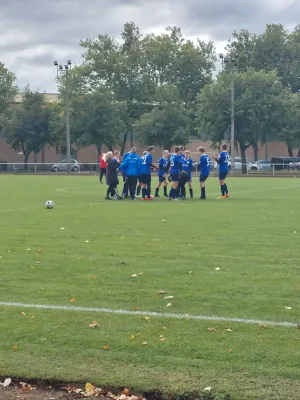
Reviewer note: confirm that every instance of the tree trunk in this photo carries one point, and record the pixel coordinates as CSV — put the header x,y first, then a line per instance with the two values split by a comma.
x,y
123,145
290,150
255,150
43,155
243,157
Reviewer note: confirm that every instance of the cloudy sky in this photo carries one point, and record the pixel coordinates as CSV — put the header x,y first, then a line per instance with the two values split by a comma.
x,y
34,33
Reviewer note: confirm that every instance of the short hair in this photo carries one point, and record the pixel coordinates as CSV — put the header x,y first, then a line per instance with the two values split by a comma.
x,y
166,151
150,148
109,155
177,149
201,149
133,150
187,151
224,146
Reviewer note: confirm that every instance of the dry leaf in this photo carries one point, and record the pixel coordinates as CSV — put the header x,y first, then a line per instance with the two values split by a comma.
x,y
40,251
122,397
134,276
262,326
106,347
6,383
126,392
230,350
73,300
15,347
135,308
218,269
87,241
169,297
22,313
169,304
228,330
94,324
94,277
62,229
132,337
145,343
212,329
163,220
207,389
161,292
288,308
148,319
90,389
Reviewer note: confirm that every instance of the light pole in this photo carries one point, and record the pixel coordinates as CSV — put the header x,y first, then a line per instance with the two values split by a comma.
x,y
65,69
233,63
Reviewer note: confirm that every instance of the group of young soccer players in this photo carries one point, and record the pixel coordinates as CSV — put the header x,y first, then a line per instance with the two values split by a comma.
x,y
175,168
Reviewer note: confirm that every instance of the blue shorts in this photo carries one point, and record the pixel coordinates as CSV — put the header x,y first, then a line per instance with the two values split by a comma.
x,y
161,179
203,178
145,179
175,176
222,175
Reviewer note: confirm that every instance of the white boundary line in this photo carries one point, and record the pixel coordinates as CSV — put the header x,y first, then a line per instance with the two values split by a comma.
x,y
149,314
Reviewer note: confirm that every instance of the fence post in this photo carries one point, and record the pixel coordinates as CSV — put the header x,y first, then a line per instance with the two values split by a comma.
x,y
273,170
35,168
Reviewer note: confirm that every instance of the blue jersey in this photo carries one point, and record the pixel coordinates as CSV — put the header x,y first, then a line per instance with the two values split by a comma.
x,y
163,165
175,163
223,161
187,165
146,164
204,165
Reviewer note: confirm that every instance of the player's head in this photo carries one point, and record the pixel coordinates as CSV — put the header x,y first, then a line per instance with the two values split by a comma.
x,y
145,153
109,155
181,149
201,150
133,150
224,146
177,150
116,153
187,154
165,154
151,149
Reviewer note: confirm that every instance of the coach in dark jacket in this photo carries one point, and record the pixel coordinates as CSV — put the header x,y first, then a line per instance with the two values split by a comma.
x,y
111,175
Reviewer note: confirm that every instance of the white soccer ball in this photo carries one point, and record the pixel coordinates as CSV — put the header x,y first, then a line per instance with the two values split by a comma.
x,y
49,204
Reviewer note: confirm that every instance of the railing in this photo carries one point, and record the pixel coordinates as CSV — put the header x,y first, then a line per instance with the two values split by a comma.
x,y
93,168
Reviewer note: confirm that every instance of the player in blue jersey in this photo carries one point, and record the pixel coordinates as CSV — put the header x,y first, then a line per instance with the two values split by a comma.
x,y
175,168
222,160
163,167
204,167
187,166
140,183
132,165
145,176
124,174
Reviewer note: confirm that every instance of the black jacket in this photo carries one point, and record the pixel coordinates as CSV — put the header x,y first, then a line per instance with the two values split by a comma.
x,y
112,173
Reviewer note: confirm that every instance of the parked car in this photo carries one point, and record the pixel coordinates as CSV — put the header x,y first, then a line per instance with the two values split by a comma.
x,y
294,166
251,165
265,164
63,166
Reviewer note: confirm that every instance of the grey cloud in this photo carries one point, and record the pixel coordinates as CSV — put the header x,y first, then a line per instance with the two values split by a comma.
x,y
34,32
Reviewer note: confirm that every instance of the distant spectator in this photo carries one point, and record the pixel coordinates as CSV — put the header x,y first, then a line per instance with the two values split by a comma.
x,y
103,166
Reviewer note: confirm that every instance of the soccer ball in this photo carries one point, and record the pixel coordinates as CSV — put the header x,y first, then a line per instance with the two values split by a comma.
x,y
49,204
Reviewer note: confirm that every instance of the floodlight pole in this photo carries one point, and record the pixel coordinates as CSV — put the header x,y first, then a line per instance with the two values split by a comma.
x,y
66,70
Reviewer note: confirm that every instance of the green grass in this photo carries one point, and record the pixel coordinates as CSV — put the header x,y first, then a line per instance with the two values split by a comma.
x,y
250,237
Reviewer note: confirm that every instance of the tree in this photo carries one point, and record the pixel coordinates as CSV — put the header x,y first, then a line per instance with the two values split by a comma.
x,y
258,108
28,127
290,129
97,119
8,90
168,122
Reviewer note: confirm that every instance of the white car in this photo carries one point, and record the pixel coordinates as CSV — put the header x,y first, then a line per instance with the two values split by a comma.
x,y
63,166
251,165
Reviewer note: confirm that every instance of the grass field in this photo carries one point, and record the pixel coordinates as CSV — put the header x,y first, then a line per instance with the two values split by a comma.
x,y
253,238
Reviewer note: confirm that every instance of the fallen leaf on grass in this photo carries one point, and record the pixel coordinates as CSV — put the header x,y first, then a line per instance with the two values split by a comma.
x,y
262,326
62,229
135,308
22,313
211,329
228,330
134,276
106,347
73,300
218,269
87,241
169,304
230,350
145,343
288,308
161,292
126,392
15,348
169,297
163,220
148,319
94,324
132,337
94,277
207,389
40,251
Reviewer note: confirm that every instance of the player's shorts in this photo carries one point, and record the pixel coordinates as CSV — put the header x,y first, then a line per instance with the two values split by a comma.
x,y
145,179
139,179
222,175
203,178
189,179
162,179
175,176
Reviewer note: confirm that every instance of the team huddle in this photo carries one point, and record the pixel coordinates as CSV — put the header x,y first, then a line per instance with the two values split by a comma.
x,y
174,168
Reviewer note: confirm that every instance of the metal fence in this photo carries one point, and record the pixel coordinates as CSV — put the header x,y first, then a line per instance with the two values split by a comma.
x,y
93,168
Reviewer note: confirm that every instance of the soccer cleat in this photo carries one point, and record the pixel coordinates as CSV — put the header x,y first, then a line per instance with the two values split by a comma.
x,y
227,196
202,198
222,197
157,195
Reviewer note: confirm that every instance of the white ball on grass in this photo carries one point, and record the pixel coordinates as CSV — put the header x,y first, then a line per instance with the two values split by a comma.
x,y
49,204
